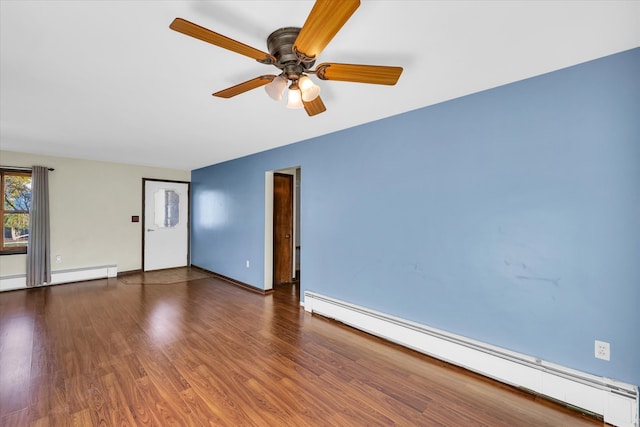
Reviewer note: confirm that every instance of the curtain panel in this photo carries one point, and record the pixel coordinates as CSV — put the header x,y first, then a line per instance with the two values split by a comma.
x,y
38,250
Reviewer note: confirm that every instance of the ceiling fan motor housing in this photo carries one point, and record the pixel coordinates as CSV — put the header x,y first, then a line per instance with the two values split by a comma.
x,y
280,44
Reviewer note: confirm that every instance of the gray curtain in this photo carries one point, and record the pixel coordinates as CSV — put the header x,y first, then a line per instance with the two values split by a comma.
x,y
38,252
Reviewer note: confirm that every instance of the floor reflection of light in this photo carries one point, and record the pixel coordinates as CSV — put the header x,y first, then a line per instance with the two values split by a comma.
x,y
16,342
164,322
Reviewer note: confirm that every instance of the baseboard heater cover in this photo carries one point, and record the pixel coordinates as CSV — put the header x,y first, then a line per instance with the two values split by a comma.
x,y
19,281
615,401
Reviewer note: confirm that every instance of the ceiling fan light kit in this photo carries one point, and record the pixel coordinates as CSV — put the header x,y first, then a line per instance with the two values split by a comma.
x,y
276,88
309,89
294,100
294,51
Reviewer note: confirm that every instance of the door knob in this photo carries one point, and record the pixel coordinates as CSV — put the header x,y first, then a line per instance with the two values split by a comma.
x,y
150,229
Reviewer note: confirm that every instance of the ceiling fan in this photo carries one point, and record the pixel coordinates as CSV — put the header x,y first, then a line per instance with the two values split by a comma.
x,y
294,51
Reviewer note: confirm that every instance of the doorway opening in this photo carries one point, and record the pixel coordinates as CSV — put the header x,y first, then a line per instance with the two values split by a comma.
x,y
282,227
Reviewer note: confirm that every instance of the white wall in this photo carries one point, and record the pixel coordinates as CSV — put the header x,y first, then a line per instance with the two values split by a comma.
x,y
91,205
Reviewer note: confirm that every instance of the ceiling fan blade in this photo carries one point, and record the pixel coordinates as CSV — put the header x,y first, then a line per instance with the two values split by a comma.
x,y
324,21
244,87
189,28
314,107
376,74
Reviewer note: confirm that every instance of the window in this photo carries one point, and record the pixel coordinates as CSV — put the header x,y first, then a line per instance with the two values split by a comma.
x,y
16,187
167,211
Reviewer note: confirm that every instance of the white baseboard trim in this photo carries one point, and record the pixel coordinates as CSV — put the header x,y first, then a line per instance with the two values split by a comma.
x,y
616,401
19,281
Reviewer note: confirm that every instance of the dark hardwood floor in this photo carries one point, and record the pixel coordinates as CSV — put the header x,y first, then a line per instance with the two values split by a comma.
x,y
205,352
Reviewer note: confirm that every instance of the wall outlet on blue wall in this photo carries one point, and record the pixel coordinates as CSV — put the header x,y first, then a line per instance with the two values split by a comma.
x,y
603,350
247,263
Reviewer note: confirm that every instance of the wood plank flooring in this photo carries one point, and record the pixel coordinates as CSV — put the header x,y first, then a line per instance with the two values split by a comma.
x,y
207,353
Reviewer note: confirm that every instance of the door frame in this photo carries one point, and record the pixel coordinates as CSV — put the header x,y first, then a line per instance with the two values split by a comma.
x,y
144,217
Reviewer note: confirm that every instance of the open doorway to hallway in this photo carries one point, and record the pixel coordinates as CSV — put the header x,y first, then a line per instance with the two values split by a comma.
x,y
282,227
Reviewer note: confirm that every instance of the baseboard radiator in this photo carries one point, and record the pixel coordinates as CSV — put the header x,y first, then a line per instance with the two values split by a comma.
x,y
615,401
19,281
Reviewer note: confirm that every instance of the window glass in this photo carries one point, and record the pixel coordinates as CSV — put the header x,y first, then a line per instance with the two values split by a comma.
x,y
167,208
14,214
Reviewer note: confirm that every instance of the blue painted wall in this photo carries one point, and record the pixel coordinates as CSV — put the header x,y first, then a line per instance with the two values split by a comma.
x,y
511,216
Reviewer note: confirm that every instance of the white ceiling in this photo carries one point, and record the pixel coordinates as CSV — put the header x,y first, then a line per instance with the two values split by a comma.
x,y
108,80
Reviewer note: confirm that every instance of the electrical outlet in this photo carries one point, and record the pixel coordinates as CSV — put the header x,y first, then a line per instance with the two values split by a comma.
x,y
602,350
247,263
58,259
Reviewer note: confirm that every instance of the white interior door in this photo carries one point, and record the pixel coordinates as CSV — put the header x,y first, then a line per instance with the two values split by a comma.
x,y
166,224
